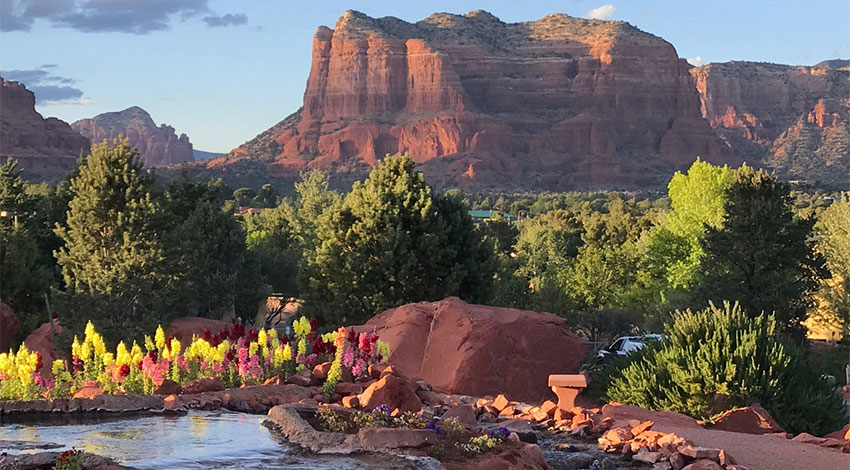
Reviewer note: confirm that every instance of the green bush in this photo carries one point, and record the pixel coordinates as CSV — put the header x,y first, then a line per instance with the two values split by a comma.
x,y
720,358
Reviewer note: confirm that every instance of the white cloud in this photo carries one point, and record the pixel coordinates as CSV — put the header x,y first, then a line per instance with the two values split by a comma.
x,y
602,13
695,61
80,101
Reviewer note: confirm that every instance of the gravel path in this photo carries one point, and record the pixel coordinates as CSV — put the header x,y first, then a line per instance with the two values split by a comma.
x,y
761,452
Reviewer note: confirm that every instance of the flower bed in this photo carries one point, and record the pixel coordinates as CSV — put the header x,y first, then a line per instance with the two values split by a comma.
x,y
235,356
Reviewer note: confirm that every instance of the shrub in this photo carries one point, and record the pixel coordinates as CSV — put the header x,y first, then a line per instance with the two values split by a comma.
x,y
720,358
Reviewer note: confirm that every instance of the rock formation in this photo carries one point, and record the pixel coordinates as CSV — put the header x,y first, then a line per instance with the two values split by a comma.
x,y
555,103
477,350
44,148
157,145
791,119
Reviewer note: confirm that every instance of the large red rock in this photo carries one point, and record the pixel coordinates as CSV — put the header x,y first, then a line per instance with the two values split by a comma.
x,y
555,103
207,384
157,145
478,350
184,328
393,391
41,340
749,419
525,457
45,148
10,325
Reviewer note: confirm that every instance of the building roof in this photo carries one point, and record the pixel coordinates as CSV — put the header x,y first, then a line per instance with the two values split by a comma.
x,y
489,214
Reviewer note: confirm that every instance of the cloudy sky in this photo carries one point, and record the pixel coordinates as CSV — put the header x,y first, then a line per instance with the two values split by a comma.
x,y
224,71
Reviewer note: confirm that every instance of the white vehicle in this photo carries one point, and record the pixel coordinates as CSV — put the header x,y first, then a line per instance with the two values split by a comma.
x,y
623,346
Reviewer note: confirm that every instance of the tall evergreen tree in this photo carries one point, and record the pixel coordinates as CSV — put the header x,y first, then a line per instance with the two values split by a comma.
x,y
113,255
833,229
392,241
763,256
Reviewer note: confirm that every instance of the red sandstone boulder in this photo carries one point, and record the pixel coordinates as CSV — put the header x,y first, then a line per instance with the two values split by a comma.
x,y
9,326
89,391
477,350
184,328
623,413
465,414
168,387
526,457
41,340
393,391
748,420
843,433
207,384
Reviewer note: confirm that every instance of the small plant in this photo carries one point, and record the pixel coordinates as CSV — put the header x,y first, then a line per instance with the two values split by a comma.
x,y
452,428
332,421
69,460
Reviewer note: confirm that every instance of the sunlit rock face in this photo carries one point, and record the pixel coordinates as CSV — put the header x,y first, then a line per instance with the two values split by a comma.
x,y
556,103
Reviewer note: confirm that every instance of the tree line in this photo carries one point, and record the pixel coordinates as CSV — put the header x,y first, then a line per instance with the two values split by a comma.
x,y
112,244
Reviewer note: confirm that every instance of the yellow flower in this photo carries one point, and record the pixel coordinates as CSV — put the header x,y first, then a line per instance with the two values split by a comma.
x,y
302,346
85,352
122,356
175,347
75,347
58,367
149,346
89,330
159,337
108,359
252,348
98,344
136,353
261,337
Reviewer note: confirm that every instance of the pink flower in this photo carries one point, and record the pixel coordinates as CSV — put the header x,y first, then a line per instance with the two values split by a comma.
x,y
358,368
348,357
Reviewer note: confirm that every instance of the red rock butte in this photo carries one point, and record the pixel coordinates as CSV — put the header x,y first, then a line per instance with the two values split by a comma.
x,y
556,103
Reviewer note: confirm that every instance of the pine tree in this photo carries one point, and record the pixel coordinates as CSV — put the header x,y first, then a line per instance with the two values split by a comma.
x,y
389,242
763,256
112,254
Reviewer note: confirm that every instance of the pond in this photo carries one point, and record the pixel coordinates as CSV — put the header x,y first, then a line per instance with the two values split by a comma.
x,y
196,440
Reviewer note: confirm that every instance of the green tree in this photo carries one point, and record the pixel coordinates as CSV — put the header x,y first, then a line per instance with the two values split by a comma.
x,y
314,197
833,230
266,197
697,198
763,256
112,252
721,358
389,242
244,197
272,238
24,274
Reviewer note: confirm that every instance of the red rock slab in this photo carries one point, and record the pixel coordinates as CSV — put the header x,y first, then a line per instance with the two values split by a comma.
x,y
749,420
526,457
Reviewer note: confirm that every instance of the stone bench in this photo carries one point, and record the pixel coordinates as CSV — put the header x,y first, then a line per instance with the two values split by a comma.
x,y
567,387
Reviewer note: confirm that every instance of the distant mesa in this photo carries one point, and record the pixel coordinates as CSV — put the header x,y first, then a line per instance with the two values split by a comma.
x,y
45,148
556,103
158,146
792,119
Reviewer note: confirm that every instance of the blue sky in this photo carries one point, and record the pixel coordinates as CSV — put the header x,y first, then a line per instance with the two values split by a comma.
x,y
224,71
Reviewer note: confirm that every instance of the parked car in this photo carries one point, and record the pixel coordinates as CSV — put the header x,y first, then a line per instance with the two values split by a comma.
x,y
623,346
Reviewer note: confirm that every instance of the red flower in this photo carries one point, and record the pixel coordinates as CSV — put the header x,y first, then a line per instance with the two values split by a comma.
x,y
124,371
153,355
314,326
230,355
38,360
139,365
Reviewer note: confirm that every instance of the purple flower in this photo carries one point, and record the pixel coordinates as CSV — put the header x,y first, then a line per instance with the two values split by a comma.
x,y
433,426
504,431
383,409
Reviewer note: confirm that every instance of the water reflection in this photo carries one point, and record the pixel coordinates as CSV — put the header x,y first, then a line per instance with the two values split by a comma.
x,y
197,440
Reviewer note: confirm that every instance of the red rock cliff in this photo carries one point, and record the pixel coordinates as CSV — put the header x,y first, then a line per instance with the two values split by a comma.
x,y
551,104
792,119
157,145
44,148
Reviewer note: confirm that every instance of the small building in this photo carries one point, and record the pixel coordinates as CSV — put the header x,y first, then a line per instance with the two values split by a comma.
x,y
482,215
